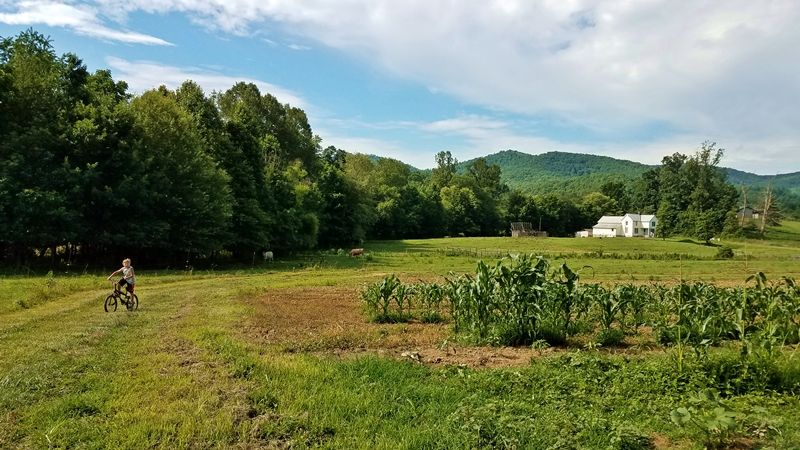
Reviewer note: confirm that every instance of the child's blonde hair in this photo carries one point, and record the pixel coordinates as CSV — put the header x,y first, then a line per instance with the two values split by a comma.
x,y
126,259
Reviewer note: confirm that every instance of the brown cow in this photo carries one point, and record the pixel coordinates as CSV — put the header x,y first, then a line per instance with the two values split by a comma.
x,y
357,252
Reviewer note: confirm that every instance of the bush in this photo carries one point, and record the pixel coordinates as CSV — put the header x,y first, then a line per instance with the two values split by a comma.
x,y
610,337
724,252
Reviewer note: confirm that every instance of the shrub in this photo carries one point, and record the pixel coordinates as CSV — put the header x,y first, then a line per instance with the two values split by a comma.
x,y
724,252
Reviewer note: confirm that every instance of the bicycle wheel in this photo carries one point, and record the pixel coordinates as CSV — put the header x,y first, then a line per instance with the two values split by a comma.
x,y
133,303
111,303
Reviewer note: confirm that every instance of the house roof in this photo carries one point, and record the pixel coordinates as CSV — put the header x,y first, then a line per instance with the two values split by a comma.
x,y
641,217
610,219
614,221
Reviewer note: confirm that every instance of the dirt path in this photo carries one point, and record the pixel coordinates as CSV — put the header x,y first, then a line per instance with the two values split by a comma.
x,y
329,321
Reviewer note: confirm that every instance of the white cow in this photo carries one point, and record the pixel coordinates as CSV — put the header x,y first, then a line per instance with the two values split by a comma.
x,y
268,256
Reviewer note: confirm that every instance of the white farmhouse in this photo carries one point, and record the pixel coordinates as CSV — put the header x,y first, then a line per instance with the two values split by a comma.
x,y
629,225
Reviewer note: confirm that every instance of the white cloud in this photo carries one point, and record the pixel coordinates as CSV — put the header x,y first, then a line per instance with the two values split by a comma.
x,y
725,71
472,136
465,124
721,70
144,75
82,19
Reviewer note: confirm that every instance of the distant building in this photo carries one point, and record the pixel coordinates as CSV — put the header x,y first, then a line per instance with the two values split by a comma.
x,y
584,233
519,229
629,225
748,213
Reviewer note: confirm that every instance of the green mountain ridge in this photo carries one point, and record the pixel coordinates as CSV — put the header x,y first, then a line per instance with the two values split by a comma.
x,y
580,173
575,174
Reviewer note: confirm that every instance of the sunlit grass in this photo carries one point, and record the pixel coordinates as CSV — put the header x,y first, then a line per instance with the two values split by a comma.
x,y
181,373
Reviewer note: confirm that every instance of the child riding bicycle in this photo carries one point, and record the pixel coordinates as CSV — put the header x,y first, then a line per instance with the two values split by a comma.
x,y
128,276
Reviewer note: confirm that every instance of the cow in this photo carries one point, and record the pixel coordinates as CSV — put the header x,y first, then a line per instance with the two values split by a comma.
x,y
268,256
356,252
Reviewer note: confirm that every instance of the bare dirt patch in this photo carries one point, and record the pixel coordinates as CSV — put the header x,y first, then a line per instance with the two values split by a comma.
x,y
330,321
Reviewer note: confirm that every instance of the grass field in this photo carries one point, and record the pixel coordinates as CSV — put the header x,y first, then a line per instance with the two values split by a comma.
x,y
281,356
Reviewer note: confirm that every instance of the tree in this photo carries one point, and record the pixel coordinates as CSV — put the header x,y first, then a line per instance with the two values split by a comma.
x,y
484,181
712,196
184,196
559,217
618,191
595,205
770,214
344,215
34,168
694,195
674,191
445,170
645,195
460,206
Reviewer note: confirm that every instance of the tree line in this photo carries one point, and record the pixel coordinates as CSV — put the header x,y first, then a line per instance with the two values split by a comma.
x,y
89,171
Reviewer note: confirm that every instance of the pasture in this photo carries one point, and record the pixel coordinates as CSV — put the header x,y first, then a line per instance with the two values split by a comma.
x,y
281,355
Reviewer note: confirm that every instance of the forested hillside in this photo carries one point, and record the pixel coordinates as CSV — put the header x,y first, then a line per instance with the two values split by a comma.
x,y
577,174
786,181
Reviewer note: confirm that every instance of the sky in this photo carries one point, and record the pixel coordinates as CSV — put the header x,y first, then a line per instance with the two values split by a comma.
x,y
633,80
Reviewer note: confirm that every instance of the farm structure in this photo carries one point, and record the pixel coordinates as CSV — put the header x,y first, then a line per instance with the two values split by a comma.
x,y
519,229
748,213
629,225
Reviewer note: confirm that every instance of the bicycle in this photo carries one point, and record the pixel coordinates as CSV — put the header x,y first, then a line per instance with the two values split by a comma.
x,y
131,301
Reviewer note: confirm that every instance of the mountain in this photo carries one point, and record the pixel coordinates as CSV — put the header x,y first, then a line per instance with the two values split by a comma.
x,y
578,174
789,182
376,158
567,173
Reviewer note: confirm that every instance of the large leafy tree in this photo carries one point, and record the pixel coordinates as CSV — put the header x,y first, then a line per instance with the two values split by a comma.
x,y
595,205
694,195
34,161
645,195
104,170
445,170
184,203
344,212
712,197
674,192
461,207
619,191
484,180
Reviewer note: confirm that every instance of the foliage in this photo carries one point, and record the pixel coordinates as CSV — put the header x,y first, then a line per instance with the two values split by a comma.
x,y
89,171
520,300
718,421
724,252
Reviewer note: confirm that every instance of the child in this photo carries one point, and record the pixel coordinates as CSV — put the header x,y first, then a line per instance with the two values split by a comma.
x,y
128,277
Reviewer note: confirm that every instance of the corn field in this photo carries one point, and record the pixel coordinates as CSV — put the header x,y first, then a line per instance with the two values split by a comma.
x,y
521,300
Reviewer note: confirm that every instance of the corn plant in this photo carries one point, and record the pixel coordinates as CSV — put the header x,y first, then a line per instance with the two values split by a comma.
x,y
379,298
430,298
521,289
611,304
501,304
636,300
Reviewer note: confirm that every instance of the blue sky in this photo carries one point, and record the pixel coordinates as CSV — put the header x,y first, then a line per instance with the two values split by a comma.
x,y
632,80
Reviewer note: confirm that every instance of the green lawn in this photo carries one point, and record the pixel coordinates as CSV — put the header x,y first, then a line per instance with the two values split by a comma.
x,y
182,372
